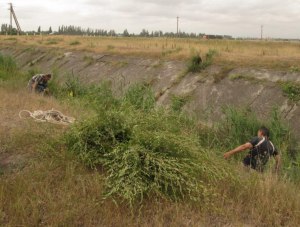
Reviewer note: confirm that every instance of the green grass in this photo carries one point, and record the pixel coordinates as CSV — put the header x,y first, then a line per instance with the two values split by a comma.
x,y
240,125
197,63
294,69
53,41
178,102
89,60
291,90
74,43
146,152
140,96
8,67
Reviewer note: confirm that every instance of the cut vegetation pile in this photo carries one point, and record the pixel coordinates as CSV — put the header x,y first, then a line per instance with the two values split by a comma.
x,y
146,151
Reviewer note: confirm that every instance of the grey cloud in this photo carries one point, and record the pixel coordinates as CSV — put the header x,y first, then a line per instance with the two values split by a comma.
x,y
236,17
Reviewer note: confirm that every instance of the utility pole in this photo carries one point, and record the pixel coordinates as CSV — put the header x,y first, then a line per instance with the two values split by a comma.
x,y
10,24
14,16
177,26
261,32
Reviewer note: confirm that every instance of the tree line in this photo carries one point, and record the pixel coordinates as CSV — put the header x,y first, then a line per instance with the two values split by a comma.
x,y
77,30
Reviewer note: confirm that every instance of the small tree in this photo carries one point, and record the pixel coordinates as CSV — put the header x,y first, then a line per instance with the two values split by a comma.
x,y
39,30
50,30
126,33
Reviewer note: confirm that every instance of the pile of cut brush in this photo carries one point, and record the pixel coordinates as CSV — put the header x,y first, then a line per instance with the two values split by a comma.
x,y
146,151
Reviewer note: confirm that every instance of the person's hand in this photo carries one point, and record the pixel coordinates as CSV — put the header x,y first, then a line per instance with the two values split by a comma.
x,y
227,155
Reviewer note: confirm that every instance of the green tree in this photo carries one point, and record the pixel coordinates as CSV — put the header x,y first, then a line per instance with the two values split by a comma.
x,y
126,33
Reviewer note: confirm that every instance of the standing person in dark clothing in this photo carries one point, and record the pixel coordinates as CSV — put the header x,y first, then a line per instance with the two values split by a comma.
x,y
261,149
39,83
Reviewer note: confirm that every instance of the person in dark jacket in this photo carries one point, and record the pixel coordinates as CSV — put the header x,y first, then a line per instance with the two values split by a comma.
x,y
39,83
260,150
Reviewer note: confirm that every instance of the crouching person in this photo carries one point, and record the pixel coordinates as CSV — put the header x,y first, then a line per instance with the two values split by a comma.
x,y
260,150
39,83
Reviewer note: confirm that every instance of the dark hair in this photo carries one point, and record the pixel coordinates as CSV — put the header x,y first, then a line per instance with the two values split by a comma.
x,y
265,131
48,75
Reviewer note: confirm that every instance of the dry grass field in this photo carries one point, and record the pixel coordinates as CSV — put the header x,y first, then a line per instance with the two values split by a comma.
x,y
262,54
42,183
45,185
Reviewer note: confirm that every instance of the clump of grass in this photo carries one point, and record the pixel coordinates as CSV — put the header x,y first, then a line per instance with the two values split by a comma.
x,y
222,74
7,64
71,88
140,96
197,64
110,47
75,43
291,90
236,76
294,69
178,102
8,67
11,39
89,60
53,41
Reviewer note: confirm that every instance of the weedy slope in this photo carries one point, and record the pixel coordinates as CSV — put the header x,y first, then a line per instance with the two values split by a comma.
x,y
128,163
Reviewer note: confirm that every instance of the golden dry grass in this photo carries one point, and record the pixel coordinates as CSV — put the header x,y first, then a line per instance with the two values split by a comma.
x,y
266,54
51,188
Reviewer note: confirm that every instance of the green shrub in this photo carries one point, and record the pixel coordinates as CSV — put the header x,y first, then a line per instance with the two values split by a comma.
x,y
291,90
178,102
240,125
146,153
53,41
140,96
100,97
197,64
294,69
237,127
75,43
73,87
8,67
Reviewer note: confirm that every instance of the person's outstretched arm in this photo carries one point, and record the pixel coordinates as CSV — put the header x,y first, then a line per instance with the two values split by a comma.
x,y
238,150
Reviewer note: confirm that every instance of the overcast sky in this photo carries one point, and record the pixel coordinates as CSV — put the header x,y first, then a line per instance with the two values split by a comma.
x,y
281,18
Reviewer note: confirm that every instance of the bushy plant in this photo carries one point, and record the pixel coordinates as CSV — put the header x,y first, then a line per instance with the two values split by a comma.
x,y
140,96
291,90
178,102
75,43
8,67
146,153
197,64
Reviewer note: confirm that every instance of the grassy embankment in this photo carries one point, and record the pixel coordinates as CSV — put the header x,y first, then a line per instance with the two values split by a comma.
x,y
127,162
258,54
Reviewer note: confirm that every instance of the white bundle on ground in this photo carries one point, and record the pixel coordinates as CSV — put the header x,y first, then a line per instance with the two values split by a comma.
x,y
51,116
